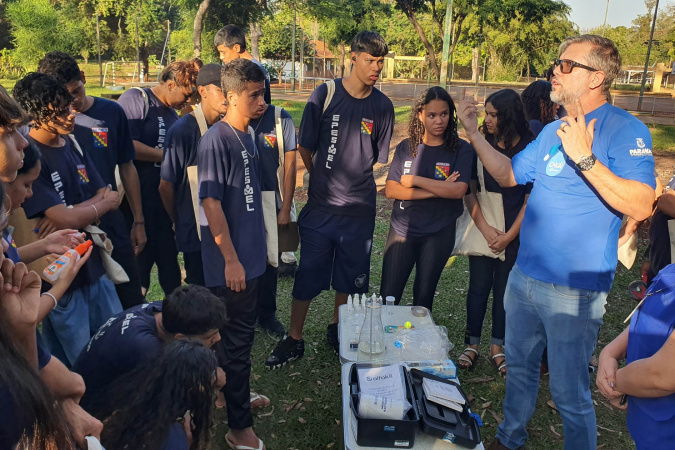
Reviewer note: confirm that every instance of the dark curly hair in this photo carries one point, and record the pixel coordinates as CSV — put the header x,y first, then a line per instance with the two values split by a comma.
x,y
60,65
183,73
12,115
43,96
148,400
416,127
532,98
511,120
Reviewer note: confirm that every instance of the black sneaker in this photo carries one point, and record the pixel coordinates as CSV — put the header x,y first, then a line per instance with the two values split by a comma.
x,y
332,337
287,350
272,325
287,269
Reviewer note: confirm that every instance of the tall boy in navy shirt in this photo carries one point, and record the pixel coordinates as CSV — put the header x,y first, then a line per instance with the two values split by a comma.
x,y
72,195
233,234
102,130
339,147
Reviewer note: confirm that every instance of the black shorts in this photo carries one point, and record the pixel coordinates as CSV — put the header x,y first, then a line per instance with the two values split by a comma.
x,y
334,250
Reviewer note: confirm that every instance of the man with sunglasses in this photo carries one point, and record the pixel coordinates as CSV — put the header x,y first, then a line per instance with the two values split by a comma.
x,y
588,169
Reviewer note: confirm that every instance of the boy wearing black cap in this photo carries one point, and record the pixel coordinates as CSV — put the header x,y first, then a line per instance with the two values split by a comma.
x,y
180,159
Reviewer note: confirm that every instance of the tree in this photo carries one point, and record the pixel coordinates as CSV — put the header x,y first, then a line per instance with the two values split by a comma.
x,y
34,31
277,39
485,12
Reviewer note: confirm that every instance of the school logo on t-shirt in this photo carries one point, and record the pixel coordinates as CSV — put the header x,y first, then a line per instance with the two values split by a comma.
x,y
366,126
270,140
641,150
82,176
442,171
100,137
556,161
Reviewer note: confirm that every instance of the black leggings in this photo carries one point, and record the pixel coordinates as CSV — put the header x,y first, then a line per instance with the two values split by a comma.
x,y
488,274
428,254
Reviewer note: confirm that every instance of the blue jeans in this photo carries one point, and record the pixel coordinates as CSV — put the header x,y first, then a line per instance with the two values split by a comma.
x,y
78,315
567,320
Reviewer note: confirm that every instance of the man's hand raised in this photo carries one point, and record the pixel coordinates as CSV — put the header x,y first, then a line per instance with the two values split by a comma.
x,y
467,113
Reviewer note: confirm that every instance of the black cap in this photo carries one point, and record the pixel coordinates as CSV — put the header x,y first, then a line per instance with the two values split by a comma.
x,y
209,74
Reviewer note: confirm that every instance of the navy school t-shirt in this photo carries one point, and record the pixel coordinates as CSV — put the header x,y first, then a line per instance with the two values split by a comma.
x,y
103,133
417,218
268,146
345,141
513,198
229,171
123,343
570,235
69,178
150,129
180,153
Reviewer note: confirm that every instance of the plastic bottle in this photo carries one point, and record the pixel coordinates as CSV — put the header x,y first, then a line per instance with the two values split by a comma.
x,y
350,305
52,272
371,338
391,301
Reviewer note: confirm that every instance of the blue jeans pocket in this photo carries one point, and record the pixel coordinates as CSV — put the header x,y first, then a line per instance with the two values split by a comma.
x,y
570,292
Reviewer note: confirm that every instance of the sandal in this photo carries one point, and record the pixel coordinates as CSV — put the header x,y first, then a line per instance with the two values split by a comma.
x,y
233,446
499,367
262,400
466,357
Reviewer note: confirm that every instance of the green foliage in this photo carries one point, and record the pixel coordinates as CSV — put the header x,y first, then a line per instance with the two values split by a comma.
x,y
8,65
277,39
35,31
632,41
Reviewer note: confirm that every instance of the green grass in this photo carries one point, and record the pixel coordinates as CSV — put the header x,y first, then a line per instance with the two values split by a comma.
x,y
313,383
663,137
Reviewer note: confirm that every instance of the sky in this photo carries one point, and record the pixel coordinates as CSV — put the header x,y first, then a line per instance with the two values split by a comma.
x,y
589,14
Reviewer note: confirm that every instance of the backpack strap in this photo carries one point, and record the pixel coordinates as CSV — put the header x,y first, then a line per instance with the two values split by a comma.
x,y
281,174
76,144
201,120
145,99
330,84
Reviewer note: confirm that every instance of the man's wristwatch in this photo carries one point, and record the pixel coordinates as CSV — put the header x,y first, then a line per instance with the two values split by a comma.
x,y
586,163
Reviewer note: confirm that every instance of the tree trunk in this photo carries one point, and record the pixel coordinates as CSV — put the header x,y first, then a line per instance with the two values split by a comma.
x,y
343,56
256,32
427,44
197,32
475,63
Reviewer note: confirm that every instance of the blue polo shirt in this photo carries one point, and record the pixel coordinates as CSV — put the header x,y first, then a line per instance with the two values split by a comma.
x,y
229,171
179,154
569,235
417,218
346,141
651,421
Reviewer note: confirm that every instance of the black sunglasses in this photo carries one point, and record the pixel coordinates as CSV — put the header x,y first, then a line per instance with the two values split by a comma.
x,y
566,65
